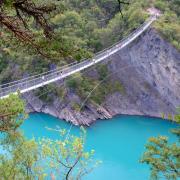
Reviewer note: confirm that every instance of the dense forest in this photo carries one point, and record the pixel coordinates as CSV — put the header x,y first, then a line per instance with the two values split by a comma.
x,y
80,29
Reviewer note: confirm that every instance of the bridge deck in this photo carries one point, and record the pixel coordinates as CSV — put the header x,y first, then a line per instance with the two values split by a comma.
x,y
34,82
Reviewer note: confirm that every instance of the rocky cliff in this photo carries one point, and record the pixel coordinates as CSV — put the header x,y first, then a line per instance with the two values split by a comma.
x,y
149,70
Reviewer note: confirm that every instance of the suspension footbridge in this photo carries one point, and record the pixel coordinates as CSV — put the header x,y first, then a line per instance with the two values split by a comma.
x,y
36,81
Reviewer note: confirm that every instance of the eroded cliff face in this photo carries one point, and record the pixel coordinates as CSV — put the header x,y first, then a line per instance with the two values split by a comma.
x,y
149,70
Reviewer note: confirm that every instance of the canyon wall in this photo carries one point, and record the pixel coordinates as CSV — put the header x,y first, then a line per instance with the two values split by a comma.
x,y
148,69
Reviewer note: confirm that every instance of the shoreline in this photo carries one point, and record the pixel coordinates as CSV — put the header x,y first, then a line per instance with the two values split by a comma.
x,y
105,119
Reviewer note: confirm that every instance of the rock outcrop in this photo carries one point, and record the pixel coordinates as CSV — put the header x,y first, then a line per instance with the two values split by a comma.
x,y
149,70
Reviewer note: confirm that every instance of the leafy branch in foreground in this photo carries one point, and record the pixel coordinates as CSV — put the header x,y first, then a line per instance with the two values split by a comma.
x,y
19,159
22,18
163,157
26,28
67,157
15,13
12,113
64,158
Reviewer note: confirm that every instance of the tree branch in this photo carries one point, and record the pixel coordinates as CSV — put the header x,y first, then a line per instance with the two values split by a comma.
x,y
71,168
120,8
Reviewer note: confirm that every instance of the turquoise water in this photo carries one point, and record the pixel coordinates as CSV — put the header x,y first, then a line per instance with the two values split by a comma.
x,y
118,142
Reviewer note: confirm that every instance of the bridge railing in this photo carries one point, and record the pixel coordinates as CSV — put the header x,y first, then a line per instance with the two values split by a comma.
x,y
25,83
37,79
31,81
36,75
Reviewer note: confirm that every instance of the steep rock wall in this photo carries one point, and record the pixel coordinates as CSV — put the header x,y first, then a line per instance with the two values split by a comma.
x,y
149,70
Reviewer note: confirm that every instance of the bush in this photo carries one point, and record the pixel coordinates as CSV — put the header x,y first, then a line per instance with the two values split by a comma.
x,y
160,5
46,93
74,81
103,71
3,63
76,106
61,92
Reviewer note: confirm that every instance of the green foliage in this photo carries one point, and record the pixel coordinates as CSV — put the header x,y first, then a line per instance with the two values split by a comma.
x,y
32,159
76,106
29,159
169,23
117,28
20,157
70,19
46,93
34,26
3,63
163,157
161,5
103,71
105,89
12,113
118,87
80,29
68,155
75,81
61,92
177,116
95,90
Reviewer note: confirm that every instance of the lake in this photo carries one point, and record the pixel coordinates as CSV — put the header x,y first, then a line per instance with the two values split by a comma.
x,y
118,142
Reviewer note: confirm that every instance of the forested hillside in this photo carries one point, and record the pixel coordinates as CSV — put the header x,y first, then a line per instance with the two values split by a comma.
x,y
80,29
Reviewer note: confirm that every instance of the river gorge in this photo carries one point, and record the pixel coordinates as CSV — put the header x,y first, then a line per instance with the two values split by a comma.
x,y
89,90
